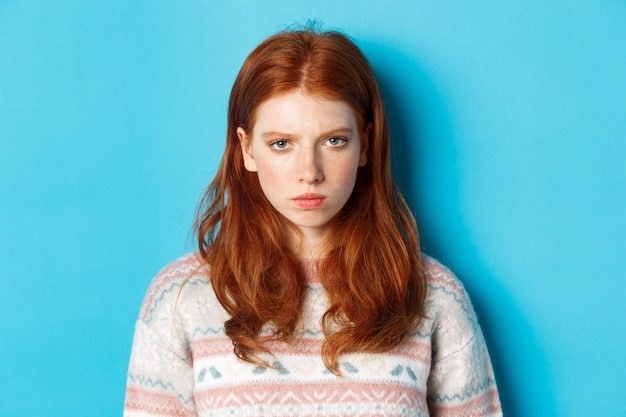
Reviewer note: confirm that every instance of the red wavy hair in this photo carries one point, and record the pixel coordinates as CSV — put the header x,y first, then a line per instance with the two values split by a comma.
x,y
371,270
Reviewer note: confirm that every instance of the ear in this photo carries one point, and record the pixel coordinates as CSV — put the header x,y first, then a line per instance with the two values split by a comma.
x,y
248,158
365,143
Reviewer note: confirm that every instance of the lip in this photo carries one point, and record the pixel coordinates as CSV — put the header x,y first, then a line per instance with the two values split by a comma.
x,y
310,200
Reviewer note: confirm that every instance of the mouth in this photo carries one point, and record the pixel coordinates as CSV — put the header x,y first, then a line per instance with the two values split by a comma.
x,y
310,200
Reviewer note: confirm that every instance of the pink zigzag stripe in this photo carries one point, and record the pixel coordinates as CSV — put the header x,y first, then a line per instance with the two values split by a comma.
x,y
310,393
156,403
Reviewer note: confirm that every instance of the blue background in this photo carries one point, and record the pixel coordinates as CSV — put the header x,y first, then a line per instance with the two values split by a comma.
x,y
508,120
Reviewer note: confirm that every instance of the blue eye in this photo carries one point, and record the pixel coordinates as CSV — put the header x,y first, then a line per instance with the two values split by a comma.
x,y
336,141
279,144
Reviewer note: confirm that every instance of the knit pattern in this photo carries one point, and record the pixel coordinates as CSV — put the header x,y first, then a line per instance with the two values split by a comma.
x,y
182,363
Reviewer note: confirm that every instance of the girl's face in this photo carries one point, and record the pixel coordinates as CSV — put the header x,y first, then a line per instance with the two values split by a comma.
x,y
306,151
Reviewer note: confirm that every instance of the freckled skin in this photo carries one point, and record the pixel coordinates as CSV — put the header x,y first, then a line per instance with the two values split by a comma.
x,y
306,152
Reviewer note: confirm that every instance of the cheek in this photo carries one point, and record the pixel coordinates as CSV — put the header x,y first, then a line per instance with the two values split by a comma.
x,y
347,173
270,176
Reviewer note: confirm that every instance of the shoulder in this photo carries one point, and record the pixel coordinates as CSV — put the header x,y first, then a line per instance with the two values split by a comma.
x,y
442,283
449,306
168,283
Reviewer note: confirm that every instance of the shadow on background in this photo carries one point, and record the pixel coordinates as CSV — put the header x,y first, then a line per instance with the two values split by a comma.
x,y
423,152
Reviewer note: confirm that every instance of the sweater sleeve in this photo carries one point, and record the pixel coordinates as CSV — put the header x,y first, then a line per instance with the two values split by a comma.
x,y
461,381
160,383
160,376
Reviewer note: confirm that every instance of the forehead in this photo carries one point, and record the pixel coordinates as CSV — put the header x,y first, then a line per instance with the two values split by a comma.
x,y
298,110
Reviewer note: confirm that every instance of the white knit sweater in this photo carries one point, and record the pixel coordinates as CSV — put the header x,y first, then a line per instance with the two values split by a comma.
x,y
182,363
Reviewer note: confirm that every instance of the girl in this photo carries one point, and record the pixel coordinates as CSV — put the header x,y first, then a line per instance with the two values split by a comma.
x,y
309,294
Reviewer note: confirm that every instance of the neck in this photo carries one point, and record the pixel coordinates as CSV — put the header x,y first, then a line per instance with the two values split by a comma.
x,y
309,244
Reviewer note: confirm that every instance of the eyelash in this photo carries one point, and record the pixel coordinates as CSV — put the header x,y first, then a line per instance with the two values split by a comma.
x,y
340,139
342,142
273,145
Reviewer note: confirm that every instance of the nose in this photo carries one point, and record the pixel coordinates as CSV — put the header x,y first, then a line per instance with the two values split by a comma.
x,y
310,170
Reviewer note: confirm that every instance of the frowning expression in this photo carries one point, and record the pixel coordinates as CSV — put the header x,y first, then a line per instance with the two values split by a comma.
x,y
306,151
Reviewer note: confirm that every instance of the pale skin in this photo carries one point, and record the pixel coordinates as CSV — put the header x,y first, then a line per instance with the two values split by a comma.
x,y
306,151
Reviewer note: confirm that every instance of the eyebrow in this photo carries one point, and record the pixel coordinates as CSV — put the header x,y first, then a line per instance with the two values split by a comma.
x,y
338,131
